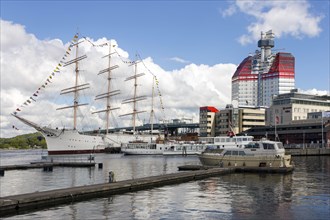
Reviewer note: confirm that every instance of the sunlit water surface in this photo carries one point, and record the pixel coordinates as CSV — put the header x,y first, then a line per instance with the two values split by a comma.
x,y
303,194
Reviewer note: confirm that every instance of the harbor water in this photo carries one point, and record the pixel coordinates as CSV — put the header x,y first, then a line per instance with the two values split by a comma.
x,y
302,194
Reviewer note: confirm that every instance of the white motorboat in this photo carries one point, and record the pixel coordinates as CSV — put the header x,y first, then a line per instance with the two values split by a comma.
x,y
263,153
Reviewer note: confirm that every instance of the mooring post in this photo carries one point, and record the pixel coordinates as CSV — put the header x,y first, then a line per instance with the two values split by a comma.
x,y
2,172
48,168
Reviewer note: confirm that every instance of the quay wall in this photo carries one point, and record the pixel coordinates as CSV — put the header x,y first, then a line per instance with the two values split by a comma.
x,y
307,151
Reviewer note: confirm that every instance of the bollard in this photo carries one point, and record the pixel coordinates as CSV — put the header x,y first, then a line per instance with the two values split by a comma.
x,y
48,168
100,165
2,172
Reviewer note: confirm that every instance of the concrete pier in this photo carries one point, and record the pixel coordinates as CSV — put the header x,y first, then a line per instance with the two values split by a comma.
x,y
16,204
241,169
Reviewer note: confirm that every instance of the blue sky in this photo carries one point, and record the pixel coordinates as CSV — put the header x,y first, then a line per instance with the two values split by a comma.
x,y
195,31
181,37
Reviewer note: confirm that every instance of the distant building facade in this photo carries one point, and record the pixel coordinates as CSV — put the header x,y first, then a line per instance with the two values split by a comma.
x,y
294,106
226,121
238,119
301,134
207,121
261,76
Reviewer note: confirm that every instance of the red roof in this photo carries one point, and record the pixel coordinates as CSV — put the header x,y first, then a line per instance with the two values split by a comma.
x,y
244,67
283,62
209,109
283,66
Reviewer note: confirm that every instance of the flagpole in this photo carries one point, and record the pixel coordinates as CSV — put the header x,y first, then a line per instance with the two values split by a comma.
x,y
276,137
322,130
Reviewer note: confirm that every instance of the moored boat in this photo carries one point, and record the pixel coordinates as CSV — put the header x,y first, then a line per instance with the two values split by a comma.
x,y
185,148
167,148
263,153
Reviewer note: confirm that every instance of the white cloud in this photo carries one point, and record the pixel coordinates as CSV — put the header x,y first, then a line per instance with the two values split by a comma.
x,y
314,92
27,62
283,17
179,60
232,9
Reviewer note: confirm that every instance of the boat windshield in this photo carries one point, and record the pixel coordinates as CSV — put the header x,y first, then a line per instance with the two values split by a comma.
x,y
279,145
269,146
252,145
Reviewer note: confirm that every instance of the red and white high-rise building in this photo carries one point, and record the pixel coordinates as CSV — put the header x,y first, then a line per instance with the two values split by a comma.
x,y
261,76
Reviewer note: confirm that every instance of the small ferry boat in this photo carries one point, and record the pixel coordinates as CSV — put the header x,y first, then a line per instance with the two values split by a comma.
x,y
263,153
166,149
226,141
183,148
142,148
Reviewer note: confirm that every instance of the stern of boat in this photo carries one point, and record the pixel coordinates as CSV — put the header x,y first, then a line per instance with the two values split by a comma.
x,y
287,161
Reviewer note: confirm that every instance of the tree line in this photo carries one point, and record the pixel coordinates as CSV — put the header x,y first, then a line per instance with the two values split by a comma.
x,y
25,141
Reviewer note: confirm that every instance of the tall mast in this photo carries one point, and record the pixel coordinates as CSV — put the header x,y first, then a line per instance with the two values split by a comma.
x,y
76,88
152,105
109,93
75,99
135,98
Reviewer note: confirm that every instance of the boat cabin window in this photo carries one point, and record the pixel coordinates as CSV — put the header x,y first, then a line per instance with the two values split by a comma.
x,y
252,145
152,146
228,153
268,146
242,153
234,152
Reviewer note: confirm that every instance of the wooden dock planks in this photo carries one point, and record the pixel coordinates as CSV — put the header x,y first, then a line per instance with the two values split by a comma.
x,y
31,201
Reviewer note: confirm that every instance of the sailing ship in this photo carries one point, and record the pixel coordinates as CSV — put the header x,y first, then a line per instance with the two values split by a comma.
x,y
71,141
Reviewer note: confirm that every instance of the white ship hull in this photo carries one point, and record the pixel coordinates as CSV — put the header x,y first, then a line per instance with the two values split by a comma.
x,y
66,141
72,142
